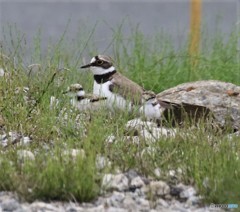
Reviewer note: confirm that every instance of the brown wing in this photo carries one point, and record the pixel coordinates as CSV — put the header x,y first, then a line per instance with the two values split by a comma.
x,y
178,113
126,88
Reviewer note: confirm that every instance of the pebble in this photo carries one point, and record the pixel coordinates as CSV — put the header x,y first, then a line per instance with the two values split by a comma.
x,y
24,155
2,72
157,172
137,182
117,182
102,162
159,188
149,130
10,205
75,153
187,193
41,206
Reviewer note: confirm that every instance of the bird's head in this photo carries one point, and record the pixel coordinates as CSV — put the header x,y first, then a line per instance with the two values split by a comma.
x,y
100,64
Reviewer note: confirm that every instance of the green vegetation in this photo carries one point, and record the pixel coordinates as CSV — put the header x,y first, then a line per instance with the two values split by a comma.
x,y
208,160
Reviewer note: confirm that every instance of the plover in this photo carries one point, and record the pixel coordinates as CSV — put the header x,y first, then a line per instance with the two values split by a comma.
x,y
119,90
83,101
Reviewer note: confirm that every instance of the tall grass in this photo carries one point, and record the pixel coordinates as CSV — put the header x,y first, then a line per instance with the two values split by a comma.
x,y
208,160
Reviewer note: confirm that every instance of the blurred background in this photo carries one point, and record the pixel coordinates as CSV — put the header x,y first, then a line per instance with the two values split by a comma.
x,y
51,19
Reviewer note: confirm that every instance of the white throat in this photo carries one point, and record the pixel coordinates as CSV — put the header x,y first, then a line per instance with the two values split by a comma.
x,y
100,71
81,93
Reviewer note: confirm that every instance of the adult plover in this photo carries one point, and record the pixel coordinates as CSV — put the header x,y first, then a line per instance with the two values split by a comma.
x,y
119,90
83,101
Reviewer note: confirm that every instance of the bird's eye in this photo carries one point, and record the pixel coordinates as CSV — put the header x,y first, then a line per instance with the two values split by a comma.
x,y
99,62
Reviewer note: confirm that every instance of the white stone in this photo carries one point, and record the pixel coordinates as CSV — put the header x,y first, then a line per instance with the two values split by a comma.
x,y
149,151
162,202
137,182
53,102
159,188
114,209
102,162
24,155
9,205
107,180
74,153
187,193
154,134
144,204
117,182
2,72
138,124
13,136
172,173
41,206
129,203
157,172
26,140
132,139
110,139
99,208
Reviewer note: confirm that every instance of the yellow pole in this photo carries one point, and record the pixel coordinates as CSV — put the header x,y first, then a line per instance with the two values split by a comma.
x,y
195,30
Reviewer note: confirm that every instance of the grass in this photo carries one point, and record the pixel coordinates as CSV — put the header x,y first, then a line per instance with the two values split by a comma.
x,y
208,160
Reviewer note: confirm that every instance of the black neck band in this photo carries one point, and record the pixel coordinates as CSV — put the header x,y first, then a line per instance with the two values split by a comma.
x,y
79,98
104,77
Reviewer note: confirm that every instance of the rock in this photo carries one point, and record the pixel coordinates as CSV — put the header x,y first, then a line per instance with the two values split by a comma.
x,y
187,193
193,200
117,182
157,172
172,173
9,205
130,174
3,140
116,199
233,136
221,98
132,139
54,102
24,155
137,182
162,202
102,162
25,140
74,153
110,139
129,203
41,206
2,72
114,209
149,130
99,208
14,137
159,188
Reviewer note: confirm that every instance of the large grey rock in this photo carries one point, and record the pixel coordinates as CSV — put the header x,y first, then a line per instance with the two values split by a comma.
x,y
223,99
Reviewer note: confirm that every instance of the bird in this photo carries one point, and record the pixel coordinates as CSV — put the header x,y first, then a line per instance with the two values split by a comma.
x,y
125,94
83,101
119,90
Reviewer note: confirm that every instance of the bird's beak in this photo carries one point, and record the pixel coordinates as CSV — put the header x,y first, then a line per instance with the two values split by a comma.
x,y
86,66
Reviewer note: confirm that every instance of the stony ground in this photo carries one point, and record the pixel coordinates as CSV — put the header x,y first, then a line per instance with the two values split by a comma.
x,y
124,192
127,191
